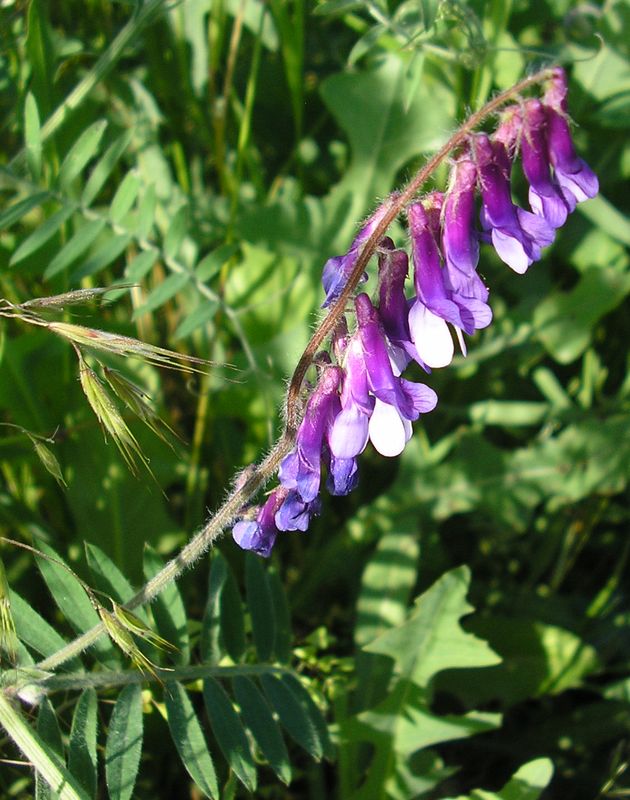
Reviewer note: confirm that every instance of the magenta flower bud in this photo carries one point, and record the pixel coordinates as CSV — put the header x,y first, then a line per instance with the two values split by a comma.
x,y
259,535
576,179
338,269
545,197
301,468
517,235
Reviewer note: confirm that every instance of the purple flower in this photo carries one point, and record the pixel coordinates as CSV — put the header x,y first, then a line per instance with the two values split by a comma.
x,y
576,179
517,235
545,196
301,468
337,270
295,514
259,535
436,302
349,433
343,475
460,240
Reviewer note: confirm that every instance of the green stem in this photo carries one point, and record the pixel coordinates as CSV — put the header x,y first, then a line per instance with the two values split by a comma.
x,y
261,474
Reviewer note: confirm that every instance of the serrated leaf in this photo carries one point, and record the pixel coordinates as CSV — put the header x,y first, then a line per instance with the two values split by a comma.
x,y
200,316
124,744
293,714
74,247
232,618
32,137
163,293
257,716
229,732
81,152
15,212
104,167
432,639
35,632
72,600
210,644
41,235
168,610
108,252
175,233
124,198
82,758
260,604
189,739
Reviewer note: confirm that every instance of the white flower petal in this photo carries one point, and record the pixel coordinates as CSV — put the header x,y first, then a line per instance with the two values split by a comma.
x,y
389,432
431,336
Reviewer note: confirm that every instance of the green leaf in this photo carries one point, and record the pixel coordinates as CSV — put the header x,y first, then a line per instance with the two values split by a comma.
x,y
526,784
260,604
232,618
301,694
82,758
74,247
163,293
200,316
229,733
72,600
124,198
387,583
81,152
168,609
104,167
35,632
108,578
257,716
210,645
124,743
293,714
108,252
140,265
146,213
175,233
15,212
211,263
32,137
282,616
41,235
50,735
189,739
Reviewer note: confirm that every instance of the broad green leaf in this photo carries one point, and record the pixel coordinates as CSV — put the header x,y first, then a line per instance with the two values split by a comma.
x,y
175,233
210,645
163,293
189,739
508,412
564,321
257,716
526,784
42,234
34,631
84,149
75,247
294,715
432,639
140,265
260,604
168,609
124,198
124,743
32,137
387,583
200,316
282,616
301,694
82,758
72,600
104,167
229,733
232,618
15,212
109,251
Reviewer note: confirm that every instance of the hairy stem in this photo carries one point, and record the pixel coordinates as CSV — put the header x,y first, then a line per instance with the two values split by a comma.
x,y
260,474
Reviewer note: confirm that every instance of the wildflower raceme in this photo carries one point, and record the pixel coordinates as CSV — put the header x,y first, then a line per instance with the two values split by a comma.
x,y
360,396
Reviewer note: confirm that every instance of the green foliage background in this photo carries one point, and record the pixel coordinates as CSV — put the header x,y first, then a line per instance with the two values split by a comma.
x,y
458,626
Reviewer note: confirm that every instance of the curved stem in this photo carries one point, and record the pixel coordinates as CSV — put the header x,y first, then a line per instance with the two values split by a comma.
x,y
259,475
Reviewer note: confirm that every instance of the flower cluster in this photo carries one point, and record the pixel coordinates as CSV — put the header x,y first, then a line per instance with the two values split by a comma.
x,y
360,395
